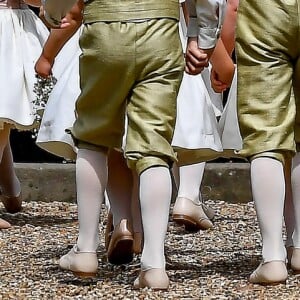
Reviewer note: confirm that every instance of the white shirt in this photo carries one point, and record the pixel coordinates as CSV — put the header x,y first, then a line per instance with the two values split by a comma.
x,y
205,22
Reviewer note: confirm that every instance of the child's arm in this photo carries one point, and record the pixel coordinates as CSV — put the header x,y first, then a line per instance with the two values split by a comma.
x,y
205,19
222,64
228,30
36,3
57,39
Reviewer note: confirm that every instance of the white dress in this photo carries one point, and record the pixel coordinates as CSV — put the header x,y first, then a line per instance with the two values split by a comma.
x,y
229,126
59,113
22,35
196,136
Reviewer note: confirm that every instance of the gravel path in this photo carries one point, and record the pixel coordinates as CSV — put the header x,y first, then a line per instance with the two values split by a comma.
x,y
213,264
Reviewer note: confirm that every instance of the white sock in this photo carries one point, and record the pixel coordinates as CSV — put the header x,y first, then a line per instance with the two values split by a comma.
x,y
155,198
268,189
91,180
296,198
190,178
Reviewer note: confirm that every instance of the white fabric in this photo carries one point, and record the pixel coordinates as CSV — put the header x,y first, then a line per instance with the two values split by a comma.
x,y
155,198
22,35
91,180
59,113
190,181
206,19
196,124
268,189
296,198
228,124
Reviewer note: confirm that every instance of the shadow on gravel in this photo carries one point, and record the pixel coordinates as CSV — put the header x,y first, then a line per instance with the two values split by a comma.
x,y
233,268
21,219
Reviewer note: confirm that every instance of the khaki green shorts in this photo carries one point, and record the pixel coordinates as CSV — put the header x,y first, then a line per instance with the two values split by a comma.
x,y
134,69
268,47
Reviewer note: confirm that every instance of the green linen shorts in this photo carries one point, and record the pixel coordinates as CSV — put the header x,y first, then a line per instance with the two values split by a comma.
x,y
268,65
134,69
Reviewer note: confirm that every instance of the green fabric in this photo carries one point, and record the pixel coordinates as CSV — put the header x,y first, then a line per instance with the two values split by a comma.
x,y
120,10
268,47
133,68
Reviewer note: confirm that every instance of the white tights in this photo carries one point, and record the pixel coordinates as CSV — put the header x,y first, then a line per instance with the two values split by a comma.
x,y
296,199
155,198
91,180
190,178
268,189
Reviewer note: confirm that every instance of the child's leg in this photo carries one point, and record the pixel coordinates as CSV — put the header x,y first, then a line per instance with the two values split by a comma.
x,y
119,187
136,216
268,189
289,217
188,208
119,241
295,259
296,198
91,180
155,198
190,178
9,183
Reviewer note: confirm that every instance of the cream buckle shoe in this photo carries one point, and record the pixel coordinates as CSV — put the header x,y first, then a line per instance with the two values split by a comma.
x,y
191,215
82,264
270,273
155,278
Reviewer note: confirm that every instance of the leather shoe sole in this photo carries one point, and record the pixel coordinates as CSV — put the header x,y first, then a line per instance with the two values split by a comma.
x,y
120,248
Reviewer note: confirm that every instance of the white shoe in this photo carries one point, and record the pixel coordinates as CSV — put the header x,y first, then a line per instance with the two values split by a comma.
x,y
82,264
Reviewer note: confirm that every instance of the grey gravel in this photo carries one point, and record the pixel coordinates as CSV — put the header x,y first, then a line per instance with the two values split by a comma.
x,y
213,264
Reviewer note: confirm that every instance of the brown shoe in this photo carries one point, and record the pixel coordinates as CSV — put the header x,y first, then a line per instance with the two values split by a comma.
x,y
137,242
156,279
295,260
270,273
4,224
12,204
120,248
191,215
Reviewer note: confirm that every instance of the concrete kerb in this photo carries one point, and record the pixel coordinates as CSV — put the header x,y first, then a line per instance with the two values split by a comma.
x,y
46,182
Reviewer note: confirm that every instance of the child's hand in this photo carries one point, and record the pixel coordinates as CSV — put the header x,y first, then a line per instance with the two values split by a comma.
x,y
217,85
196,60
43,67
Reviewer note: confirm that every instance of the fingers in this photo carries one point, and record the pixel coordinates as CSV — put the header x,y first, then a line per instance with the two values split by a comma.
x,y
196,59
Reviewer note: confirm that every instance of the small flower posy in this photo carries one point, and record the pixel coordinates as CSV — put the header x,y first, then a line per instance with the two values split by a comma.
x,y
42,89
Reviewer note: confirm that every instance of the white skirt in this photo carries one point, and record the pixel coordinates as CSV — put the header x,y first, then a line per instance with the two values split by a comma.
x,y
196,136
22,35
229,126
59,113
